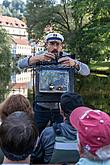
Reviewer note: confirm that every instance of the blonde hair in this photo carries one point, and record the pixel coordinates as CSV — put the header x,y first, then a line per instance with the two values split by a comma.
x,y
15,103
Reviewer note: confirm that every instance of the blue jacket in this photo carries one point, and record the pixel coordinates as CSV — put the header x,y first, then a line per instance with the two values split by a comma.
x,y
45,147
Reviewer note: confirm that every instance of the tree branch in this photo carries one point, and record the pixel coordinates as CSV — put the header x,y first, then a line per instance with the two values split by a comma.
x,y
67,22
60,24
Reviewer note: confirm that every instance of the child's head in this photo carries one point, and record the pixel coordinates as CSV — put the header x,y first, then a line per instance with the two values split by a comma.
x,y
93,128
15,103
18,136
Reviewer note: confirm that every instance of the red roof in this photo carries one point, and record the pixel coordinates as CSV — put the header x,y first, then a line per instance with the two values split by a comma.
x,y
20,85
11,21
21,40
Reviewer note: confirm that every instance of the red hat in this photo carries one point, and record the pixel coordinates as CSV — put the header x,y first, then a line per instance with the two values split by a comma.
x,y
93,128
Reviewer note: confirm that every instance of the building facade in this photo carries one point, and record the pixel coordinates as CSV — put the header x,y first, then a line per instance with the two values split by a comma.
x,y
20,47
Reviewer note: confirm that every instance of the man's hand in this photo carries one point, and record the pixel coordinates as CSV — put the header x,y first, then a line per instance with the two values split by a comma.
x,y
47,57
67,61
40,58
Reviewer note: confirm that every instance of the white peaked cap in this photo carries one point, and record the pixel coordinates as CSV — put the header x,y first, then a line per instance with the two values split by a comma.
x,y
54,37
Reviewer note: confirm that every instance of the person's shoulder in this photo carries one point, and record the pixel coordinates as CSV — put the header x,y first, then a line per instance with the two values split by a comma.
x,y
47,136
68,131
86,161
48,131
83,161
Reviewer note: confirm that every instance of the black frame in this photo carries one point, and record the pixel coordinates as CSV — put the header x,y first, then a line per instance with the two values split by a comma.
x,y
51,96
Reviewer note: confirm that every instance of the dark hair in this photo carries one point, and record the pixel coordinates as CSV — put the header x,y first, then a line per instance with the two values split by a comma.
x,y
70,101
18,136
15,103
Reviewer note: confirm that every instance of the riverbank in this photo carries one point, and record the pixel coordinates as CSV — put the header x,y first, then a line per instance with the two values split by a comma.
x,y
100,67
95,88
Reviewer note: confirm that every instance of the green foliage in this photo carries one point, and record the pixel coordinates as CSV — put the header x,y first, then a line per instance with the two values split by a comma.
x,y
84,23
94,91
15,8
38,14
6,3
103,67
89,38
5,61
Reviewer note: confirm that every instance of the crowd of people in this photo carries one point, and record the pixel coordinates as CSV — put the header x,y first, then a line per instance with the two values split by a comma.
x,y
81,139
78,135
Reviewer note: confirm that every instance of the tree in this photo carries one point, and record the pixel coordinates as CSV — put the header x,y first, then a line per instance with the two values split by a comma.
x,y
15,8
93,37
84,23
38,14
6,12
6,3
5,61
